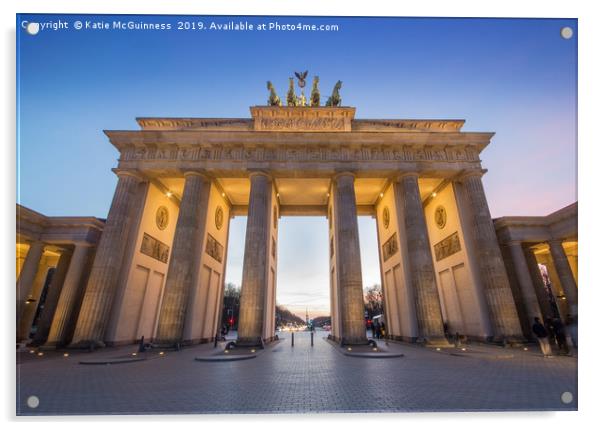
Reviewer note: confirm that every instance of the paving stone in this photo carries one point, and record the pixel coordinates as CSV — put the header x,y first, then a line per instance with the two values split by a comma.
x,y
299,379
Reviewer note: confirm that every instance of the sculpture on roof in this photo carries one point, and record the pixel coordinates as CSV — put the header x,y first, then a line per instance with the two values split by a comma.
x,y
315,93
291,97
335,99
301,77
273,100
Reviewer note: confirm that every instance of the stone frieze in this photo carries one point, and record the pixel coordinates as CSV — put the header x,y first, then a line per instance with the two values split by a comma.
x,y
301,153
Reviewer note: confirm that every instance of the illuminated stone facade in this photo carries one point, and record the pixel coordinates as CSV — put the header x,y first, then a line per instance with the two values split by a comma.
x,y
159,265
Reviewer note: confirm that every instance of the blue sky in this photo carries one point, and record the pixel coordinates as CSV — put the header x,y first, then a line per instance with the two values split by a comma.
x,y
514,77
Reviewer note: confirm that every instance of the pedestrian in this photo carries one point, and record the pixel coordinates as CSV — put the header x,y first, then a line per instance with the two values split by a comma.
x,y
541,335
571,325
383,333
377,329
373,329
560,335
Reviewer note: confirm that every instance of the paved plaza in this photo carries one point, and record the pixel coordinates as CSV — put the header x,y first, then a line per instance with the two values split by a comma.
x,y
299,379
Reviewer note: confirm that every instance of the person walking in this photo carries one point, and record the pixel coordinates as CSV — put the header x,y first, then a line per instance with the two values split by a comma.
x,y
383,332
571,325
373,329
560,335
377,329
542,337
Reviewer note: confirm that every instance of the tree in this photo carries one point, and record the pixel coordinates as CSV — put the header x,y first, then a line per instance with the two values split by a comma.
x,y
373,300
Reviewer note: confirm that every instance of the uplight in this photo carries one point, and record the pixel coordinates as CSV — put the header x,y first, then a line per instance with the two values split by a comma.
x,y
133,353
434,194
438,349
66,354
161,353
169,194
40,354
226,352
252,350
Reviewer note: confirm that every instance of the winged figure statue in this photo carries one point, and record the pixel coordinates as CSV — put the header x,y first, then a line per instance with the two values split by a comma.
x,y
301,77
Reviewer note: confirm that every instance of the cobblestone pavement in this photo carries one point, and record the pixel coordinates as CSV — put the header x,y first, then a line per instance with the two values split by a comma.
x,y
285,379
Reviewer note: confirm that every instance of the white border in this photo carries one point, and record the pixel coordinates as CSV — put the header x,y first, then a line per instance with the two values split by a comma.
x,y
589,152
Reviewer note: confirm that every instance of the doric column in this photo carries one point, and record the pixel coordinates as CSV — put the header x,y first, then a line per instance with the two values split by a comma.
x,y
420,259
102,284
504,316
541,292
561,263
52,297
183,272
525,283
348,261
255,266
28,274
68,296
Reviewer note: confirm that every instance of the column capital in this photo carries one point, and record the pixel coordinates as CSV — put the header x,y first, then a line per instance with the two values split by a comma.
x,y
199,173
466,174
403,175
343,173
253,173
82,244
121,173
515,242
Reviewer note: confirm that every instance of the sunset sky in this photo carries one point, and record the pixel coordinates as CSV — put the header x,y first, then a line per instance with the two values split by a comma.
x,y
515,77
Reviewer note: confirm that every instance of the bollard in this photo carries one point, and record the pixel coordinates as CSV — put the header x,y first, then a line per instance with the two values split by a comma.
x,y
292,338
312,338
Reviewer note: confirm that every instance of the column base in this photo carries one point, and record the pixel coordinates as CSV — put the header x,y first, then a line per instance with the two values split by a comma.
x,y
50,346
353,341
435,342
249,342
507,340
87,344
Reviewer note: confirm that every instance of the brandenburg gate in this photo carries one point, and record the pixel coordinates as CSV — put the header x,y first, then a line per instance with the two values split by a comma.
x,y
159,267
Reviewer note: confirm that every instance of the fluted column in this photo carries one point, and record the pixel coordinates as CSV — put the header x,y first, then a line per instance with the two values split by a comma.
x,y
502,309
183,272
420,259
52,297
561,263
102,284
543,298
255,265
525,283
28,274
68,296
348,261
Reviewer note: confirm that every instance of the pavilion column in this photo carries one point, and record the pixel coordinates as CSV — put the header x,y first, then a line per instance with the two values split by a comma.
x,y
183,272
102,284
255,265
67,301
561,263
541,291
498,295
348,261
420,259
525,282
52,297
28,275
